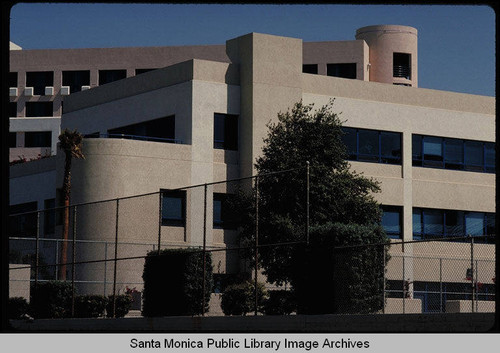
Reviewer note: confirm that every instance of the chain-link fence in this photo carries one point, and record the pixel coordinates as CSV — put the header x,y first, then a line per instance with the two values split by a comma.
x,y
105,245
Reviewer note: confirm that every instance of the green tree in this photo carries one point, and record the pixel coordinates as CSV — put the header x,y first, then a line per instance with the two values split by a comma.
x,y
337,194
70,142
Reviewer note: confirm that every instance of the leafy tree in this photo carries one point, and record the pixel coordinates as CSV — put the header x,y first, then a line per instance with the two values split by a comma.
x,y
70,142
337,194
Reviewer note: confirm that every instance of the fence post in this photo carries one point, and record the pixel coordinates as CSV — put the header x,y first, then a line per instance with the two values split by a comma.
x,y
256,241
404,286
383,269
57,259
441,284
105,266
37,248
472,271
160,211
116,256
73,270
307,201
204,249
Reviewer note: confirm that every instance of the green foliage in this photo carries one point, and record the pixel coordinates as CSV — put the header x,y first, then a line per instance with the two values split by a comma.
x,y
51,300
280,302
173,282
18,307
90,305
122,306
336,194
330,277
239,299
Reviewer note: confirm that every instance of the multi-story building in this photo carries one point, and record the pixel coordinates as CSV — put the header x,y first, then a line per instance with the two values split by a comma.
x,y
201,117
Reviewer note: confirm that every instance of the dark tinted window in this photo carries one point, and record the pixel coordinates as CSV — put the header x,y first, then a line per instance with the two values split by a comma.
x,y
225,131
350,140
344,70
12,79
433,226
390,147
368,145
39,80
12,109
402,65
38,139
12,139
432,148
310,68
24,224
391,221
454,223
489,157
224,217
473,155
107,76
372,145
76,79
49,216
161,130
453,153
38,109
141,71
174,208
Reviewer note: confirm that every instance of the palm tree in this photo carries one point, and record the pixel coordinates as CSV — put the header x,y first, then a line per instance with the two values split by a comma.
x,y
71,143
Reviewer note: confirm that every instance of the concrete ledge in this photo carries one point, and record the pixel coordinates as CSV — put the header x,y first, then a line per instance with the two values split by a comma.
x,y
440,323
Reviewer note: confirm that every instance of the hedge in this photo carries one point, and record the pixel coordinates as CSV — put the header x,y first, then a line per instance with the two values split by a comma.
x,y
239,299
90,305
51,300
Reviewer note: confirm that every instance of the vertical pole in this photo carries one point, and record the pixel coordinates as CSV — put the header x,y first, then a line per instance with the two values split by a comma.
x,y
37,248
383,269
160,210
307,201
105,266
476,287
472,271
404,286
73,270
57,258
204,249
441,284
116,256
256,242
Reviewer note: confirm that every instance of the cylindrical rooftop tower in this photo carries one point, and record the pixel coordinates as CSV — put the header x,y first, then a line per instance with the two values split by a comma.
x,y
393,53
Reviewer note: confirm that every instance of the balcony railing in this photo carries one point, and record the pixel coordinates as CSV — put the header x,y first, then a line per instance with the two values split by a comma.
x,y
135,137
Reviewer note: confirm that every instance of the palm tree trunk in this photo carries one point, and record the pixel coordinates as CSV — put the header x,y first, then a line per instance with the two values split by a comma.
x,y
66,195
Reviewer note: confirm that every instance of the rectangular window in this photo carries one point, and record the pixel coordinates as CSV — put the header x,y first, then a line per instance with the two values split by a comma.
x,y
107,76
343,70
490,224
489,157
453,154
39,80
76,79
224,217
390,147
226,131
158,130
372,145
474,223
454,223
350,139
391,221
416,150
368,145
12,79
473,156
173,208
402,65
38,139
433,225
417,224
12,139
12,109
432,148
39,109
23,224
49,216
310,68
141,71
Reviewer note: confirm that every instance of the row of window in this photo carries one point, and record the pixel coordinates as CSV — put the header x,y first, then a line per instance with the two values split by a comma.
x,y
451,153
435,223
75,79
372,145
32,139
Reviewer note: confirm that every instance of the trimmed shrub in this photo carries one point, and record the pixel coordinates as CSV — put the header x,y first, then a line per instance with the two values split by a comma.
x,y
122,307
173,282
90,305
18,307
50,300
239,299
280,302
330,277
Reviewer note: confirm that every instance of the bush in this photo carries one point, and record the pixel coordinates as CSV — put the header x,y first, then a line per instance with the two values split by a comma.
x,y
90,305
280,302
18,307
122,307
51,300
178,290
239,299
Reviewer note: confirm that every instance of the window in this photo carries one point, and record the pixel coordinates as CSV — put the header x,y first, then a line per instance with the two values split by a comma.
x,y
12,79
451,153
435,223
310,68
141,71
107,76
372,145
12,139
173,211
159,130
24,224
38,139
224,217
391,221
225,131
402,65
39,80
344,70
12,109
75,80
39,109
49,216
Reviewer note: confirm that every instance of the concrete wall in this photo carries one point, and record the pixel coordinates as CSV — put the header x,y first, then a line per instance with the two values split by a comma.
x,y
19,281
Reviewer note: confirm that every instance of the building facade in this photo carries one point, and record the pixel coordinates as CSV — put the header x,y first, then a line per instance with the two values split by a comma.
x,y
201,117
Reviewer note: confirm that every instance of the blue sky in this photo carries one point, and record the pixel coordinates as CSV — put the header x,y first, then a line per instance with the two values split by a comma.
x,y
456,43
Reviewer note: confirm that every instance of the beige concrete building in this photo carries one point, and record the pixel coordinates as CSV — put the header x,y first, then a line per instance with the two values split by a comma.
x,y
201,117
